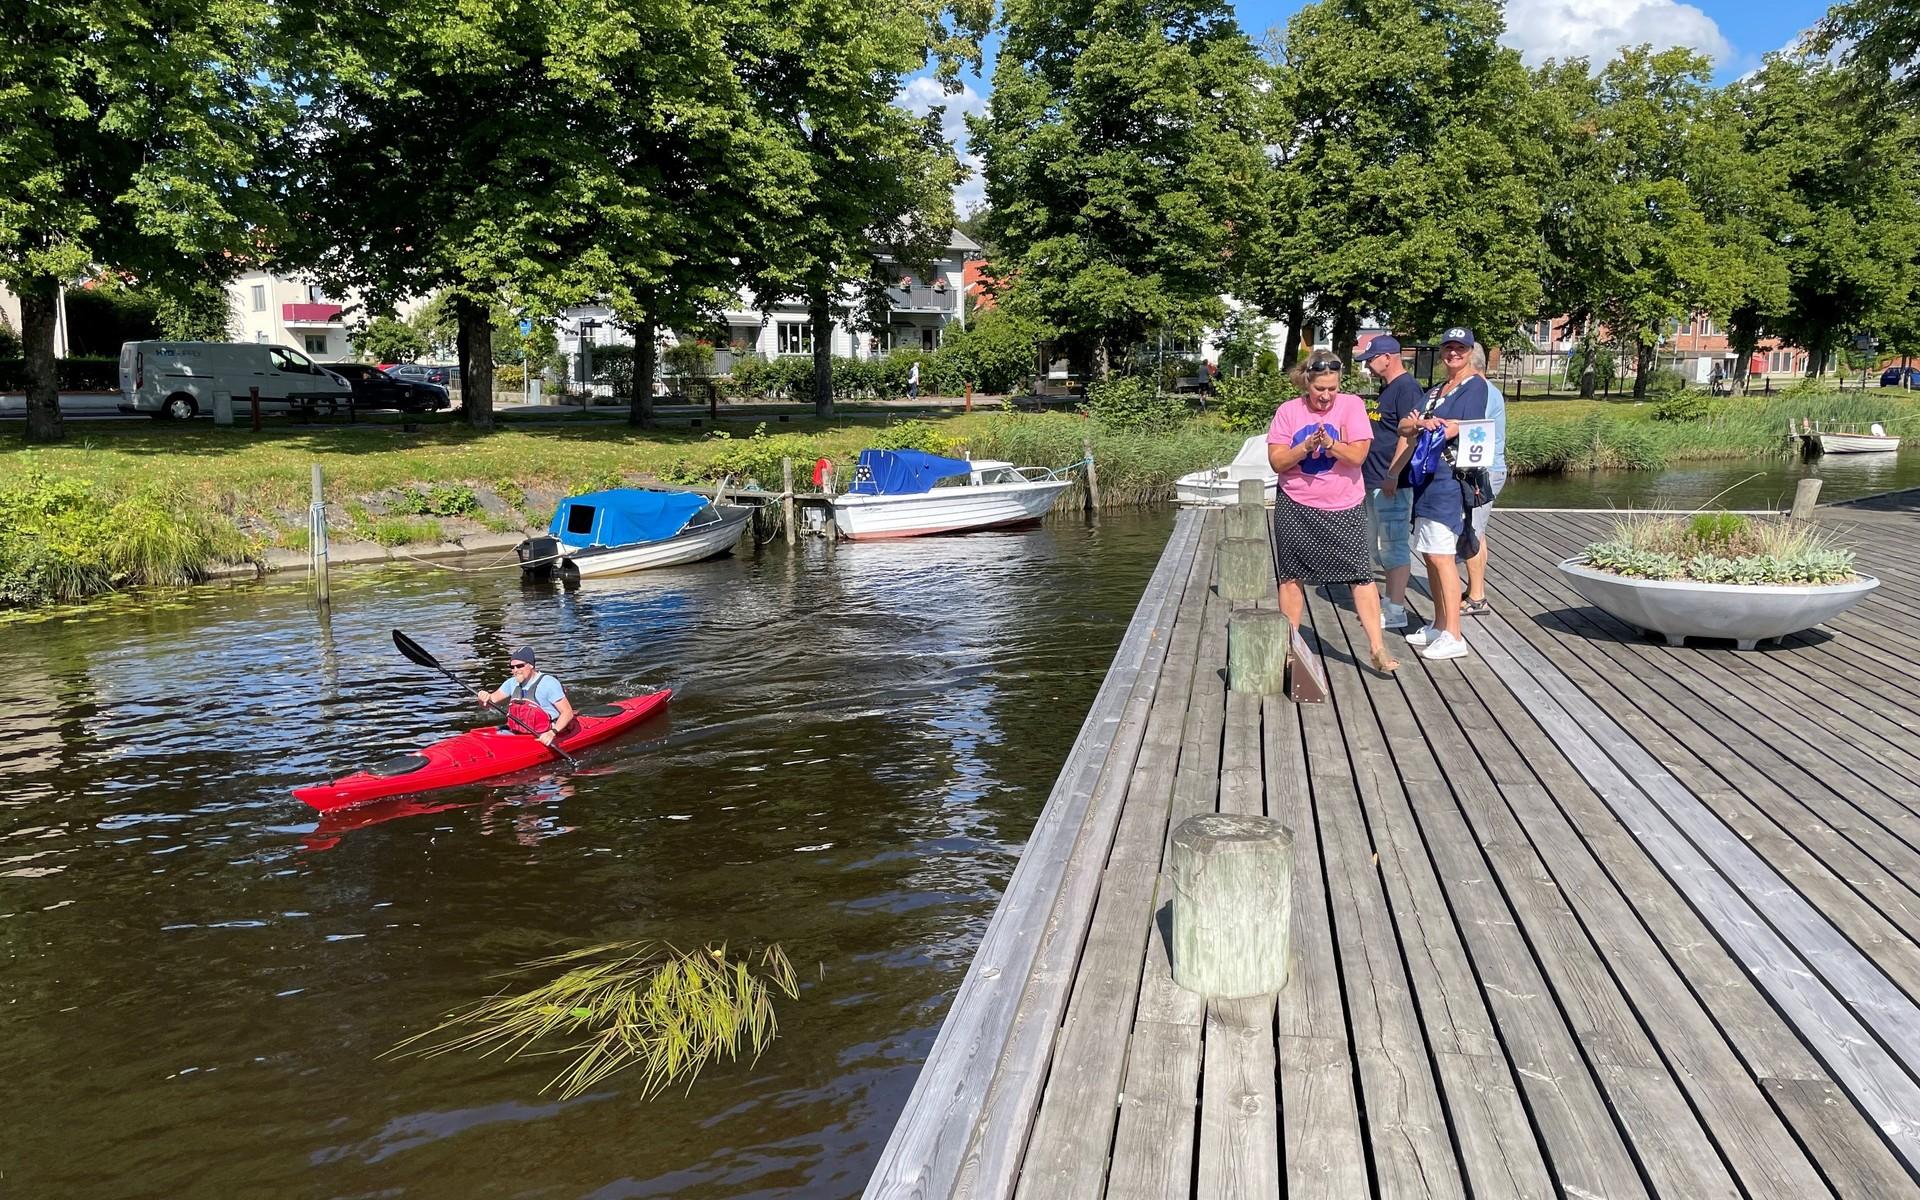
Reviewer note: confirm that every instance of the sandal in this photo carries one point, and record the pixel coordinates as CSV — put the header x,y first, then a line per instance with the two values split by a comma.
x,y
1385,663
1475,608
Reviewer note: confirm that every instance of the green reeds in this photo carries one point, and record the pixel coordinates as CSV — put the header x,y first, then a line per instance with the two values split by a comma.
x,y
625,1004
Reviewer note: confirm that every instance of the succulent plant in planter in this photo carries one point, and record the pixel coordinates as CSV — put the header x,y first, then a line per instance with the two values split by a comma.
x,y
1722,575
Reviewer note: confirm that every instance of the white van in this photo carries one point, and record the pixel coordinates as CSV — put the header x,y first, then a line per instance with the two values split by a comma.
x,y
178,379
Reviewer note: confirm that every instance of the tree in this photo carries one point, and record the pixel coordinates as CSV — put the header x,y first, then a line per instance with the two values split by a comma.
x,y
1121,149
1629,229
131,134
1242,337
1878,42
1401,182
457,149
388,339
1840,206
877,196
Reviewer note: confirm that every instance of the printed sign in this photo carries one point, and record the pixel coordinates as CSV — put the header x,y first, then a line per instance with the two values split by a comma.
x,y
1476,445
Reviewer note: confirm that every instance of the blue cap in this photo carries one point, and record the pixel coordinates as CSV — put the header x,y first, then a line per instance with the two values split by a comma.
x,y
1385,343
1459,333
524,654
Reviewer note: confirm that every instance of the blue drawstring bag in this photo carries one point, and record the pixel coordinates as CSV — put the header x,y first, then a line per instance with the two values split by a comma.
x,y
1428,458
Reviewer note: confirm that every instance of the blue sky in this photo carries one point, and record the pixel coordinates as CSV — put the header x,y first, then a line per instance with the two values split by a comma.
x,y
1734,34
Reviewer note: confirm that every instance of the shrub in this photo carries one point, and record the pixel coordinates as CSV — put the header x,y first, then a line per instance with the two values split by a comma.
x,y
1267,363
1247,403
437,500
1681,406
996,353
509,376
1128,403
65,540
1661,384
98,374
1721,548
913,435
693,358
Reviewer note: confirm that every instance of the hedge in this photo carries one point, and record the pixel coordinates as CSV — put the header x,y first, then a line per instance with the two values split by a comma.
x,y
71,374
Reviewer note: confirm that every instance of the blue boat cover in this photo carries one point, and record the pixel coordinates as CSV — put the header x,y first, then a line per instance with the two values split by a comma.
x,y
623,516
903,472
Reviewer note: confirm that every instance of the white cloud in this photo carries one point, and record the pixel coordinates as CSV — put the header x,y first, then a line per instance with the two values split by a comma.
x,y
1597,29
973,193
923,92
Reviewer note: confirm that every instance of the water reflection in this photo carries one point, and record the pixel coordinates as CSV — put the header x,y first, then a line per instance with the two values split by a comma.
x,y
1738,483
858,745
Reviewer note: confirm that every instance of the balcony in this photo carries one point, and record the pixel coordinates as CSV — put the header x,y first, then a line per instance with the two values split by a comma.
x,y
923,298
310,314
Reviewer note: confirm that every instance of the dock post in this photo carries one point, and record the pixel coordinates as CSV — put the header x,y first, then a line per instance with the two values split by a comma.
x,y
1232,905
317,541
786,499
1244,568
1257,644
1247,521
253,395
1806,494
1093,475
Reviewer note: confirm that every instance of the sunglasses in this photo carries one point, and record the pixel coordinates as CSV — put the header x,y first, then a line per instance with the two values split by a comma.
x,y
1320,364
517,665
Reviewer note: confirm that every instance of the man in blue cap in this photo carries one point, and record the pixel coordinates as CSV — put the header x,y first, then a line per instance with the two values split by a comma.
x,y
1389,496
536,702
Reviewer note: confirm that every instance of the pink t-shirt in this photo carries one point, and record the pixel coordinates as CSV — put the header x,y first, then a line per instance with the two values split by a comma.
x,y
1321,480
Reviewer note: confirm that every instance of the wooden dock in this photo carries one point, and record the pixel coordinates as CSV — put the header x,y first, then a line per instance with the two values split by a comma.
x,y
1580,915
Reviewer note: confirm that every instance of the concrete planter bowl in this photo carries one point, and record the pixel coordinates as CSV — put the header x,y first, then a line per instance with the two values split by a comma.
x,y
1747,613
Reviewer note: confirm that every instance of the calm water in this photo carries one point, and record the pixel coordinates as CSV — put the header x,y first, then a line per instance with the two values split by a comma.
x,y
1739,483
199,982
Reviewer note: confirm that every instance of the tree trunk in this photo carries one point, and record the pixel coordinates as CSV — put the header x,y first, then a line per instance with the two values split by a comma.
x,y
1296,334
476,362
1346,330
820,313
39,312
1642,367
646,360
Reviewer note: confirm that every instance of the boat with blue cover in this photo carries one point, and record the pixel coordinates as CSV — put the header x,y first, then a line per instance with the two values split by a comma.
x,y
908,493
620,530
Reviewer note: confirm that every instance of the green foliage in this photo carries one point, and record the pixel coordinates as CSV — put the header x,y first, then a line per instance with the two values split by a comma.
x,y
690,358
389,340
1130,404
1409,182
914,435
1267,362
1246,404
996,352
754,459
627,1004
1120,146
401,531
1244,337
1135,468
1722,548
10,347
437,500
64,539
1679,404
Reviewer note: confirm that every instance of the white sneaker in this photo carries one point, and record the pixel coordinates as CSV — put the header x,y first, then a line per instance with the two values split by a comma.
x,y
1421,636
1445,645
1392,616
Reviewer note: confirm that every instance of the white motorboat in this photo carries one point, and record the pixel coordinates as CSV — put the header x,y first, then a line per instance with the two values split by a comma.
x,y
1875,441
631,529
1221,485
907,493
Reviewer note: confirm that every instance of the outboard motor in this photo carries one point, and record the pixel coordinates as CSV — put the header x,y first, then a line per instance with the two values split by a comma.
x,y
538,556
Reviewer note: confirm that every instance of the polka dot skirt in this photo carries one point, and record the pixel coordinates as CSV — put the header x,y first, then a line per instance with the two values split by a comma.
x,y
1315,545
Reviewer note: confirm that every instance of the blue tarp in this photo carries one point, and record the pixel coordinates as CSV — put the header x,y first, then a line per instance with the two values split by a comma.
x,y
623,517
903,472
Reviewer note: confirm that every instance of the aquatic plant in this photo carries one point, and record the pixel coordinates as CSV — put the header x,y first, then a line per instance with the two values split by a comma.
x,y
1721,548
626,1004
64,539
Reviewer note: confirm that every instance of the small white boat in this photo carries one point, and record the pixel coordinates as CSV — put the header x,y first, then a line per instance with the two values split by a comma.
x,y
1221,485
1875,441
907,493
631,529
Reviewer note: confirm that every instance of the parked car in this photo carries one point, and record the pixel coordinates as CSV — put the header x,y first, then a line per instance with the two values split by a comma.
x,y
177,380
437,374
1892,377
375,388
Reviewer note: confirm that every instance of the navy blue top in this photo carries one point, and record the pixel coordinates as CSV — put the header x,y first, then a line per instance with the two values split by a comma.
x,y
1440,498
1397,399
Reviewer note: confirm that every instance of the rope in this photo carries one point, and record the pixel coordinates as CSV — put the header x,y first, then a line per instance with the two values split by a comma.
x,y
495,565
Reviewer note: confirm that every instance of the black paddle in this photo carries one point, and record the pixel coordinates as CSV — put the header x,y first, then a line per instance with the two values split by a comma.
x,y
417,653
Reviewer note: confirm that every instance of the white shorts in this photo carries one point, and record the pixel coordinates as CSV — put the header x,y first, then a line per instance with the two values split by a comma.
x,y
1433,537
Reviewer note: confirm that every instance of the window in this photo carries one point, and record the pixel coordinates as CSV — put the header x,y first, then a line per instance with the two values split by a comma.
x,y
316,294
259,337
259,297
316,343
796,337
290,361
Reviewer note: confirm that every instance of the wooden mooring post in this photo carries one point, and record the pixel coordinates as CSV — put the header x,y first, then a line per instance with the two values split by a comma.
x,y
1244,570
317,542
1093,475
1232,904
786,500
1806,496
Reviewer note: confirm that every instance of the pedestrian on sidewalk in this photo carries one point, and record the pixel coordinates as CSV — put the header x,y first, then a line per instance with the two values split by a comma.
x,y
913,380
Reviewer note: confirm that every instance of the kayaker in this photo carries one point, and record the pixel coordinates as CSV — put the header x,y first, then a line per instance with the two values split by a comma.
x,y
536,701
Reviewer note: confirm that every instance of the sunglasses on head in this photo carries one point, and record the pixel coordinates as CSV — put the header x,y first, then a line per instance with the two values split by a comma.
x,y
1318,365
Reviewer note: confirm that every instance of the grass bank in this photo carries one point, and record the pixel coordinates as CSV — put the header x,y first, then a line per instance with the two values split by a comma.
x,y
124,505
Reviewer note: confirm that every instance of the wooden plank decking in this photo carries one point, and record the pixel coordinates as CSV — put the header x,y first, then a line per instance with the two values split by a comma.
x,y
1580,915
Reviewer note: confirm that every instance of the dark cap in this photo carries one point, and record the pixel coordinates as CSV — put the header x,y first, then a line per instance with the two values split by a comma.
x,y
1385,343
1459,333
524,654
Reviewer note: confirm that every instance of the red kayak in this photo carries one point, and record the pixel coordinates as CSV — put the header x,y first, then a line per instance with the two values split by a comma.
x,y
478,754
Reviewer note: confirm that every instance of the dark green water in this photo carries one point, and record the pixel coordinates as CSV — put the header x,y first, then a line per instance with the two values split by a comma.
x,y
1739,483
199,983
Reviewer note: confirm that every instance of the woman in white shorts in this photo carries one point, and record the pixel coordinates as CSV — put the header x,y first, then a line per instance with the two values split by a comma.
x,y
1439,514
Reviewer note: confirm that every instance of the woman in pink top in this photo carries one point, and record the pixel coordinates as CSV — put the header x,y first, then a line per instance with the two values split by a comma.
x,y
1316,444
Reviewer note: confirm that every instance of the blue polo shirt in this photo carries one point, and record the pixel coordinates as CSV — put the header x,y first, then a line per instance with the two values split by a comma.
x,y
1439,498
1397,399
545,694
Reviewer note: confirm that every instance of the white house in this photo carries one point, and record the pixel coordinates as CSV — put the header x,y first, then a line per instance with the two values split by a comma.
x,y
287,310
919,310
